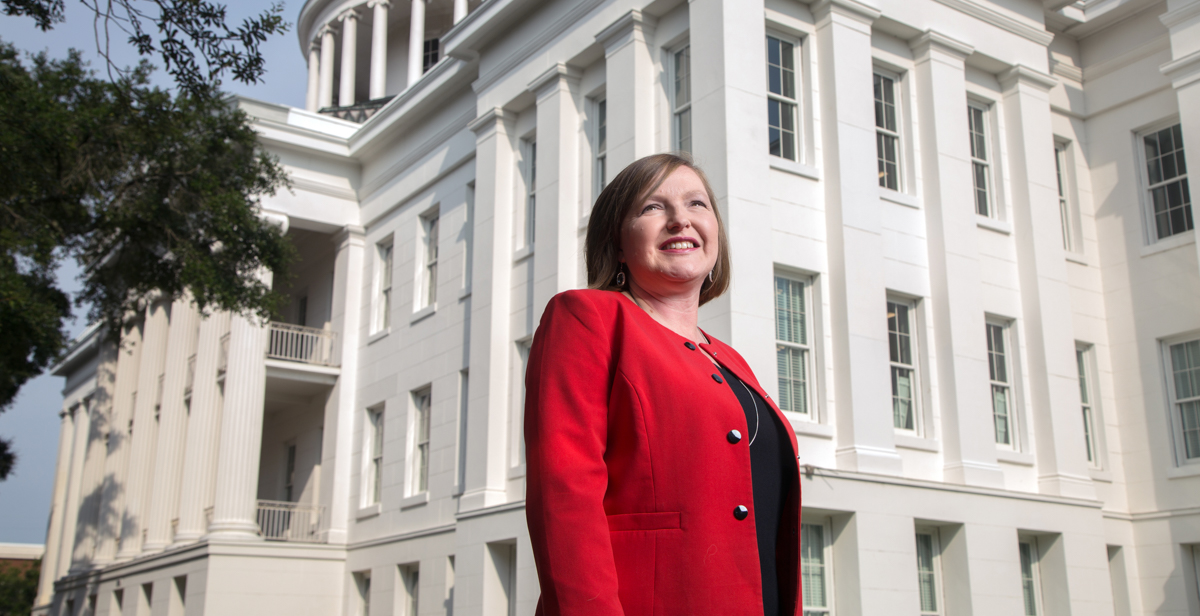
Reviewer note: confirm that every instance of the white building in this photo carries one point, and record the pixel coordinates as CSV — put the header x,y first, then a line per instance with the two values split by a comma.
x,y
985,199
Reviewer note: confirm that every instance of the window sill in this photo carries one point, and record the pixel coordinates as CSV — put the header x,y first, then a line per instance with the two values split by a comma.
x,y
795,168
379,335
1075,257
369,511
991,224
900,198
424,312
1180,472
802,425
909,441
464,292
1170,243
415,500
1099,474
522,254
1019,458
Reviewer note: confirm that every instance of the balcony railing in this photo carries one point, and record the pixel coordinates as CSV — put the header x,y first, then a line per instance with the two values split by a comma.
x,y
309,345
358,113
293,522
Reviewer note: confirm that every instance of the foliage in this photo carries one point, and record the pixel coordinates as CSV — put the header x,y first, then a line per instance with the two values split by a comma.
x,y
155,194
18,589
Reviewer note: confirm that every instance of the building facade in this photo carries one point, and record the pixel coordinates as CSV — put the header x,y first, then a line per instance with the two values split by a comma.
x,y
987,340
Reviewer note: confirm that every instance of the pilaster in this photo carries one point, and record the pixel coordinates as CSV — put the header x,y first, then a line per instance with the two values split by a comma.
x,y
630,79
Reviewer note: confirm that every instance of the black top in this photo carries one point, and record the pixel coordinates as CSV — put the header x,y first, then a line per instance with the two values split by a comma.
x,y
771,471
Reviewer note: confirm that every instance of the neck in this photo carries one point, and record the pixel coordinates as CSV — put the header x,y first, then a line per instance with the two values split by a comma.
x,y
678,313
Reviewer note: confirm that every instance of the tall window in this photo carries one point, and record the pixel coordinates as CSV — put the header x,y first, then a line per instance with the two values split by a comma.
x,y
375,476
600,172
463,406
1031,584
430,54
363,581
814,571
422,407
410,580
530,172
981,170
1001,380
1082,354
383,314
887,131
791,343
682,102
430,256
1167,183
1064,205
469,237
929,571
781,97
901,349
1185,394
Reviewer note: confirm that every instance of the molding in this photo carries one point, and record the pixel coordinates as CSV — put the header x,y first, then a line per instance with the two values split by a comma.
x,y
630,22
1152,515
1100,69
449,166
850,8
323,188
1000,20
486,123
1185,70
415,154
569,19
1174,18
1023,74
938,486
426,532
475,513
933,38
552,76
1066,71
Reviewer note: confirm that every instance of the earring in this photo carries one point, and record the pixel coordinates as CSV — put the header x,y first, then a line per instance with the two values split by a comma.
x,y
621,278
710,275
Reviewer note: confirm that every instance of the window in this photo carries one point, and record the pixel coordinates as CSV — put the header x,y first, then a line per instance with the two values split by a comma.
x,y
791,343
383,306
887,131
375,468
814,569
289,474
530,174
429,225
1086,397
1031,584
500,579
781,97
410,585
929,571
362,579
1166,182
1184,389
430,54
464,377
600,171
422,406
1061,168
518,415
981,170
999,371
469,237
681,102
902,353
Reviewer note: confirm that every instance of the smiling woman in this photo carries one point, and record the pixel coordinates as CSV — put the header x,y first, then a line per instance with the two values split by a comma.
x,y
653,454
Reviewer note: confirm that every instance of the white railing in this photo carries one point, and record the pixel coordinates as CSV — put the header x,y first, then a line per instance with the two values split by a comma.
x,y
294,522
309,345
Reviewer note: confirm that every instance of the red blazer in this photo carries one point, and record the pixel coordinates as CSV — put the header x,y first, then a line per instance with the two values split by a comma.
x,y
632,484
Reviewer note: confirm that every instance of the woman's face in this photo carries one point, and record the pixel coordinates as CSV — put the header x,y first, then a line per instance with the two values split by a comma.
x,y
669,240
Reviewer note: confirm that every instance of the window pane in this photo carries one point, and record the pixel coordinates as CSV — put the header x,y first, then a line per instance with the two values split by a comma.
x,y
1189,414
1000,414
812,567
683,77
793,375
790,311
980,179
1028,582
927,576
902,398
1087,433
1083,388
683,128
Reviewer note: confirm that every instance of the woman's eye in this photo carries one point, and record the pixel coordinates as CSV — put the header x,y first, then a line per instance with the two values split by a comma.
x,y
650,206
700,203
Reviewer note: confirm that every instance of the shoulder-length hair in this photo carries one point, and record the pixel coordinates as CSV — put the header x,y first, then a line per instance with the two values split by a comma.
x,y
633,184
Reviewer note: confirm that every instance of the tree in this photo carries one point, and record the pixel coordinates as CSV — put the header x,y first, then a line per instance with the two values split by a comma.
x,y
18,588
155,193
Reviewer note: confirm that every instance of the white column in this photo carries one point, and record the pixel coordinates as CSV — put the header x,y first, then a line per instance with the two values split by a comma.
x,y
853,215
967,432
416,41
313,97
172,427
112,480
325,91
342,404
488,400
54,530
203,433
379,30
555,264
460,10
1184,72
629,74
349,21
79,450
90,493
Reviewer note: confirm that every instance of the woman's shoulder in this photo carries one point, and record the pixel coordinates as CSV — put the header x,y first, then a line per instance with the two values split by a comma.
x,y
585,299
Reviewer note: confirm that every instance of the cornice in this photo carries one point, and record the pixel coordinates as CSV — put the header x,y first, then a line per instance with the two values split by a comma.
x,y
569,19
1184,71
1023,74
551,77
1000,20
487,121
933,38
851,8
1066,71
1100,69
1170,19
633,21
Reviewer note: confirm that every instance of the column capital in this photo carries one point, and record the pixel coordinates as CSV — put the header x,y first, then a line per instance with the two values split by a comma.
x,y
631,23
487,122
931,40
347,235
348,14
1184,71
278,219
1021,74
850,8
560,72
328,29
387,4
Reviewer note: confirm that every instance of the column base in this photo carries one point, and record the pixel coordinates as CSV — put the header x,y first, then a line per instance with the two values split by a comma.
x,y
869,460
154,547
233,530
979,474
182,539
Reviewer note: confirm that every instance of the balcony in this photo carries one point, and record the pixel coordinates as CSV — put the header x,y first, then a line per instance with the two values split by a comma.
x,y
359,112
306,345
291,522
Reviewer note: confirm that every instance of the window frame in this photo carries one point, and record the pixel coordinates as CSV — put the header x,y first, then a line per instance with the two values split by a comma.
x,y
680,112
918,420
528,173
428,248
898,133
427,50
1068,204
1146,187
936,571
986,111
822,524
794,101
373,446
1008,337
807,348
420,427
1093,426
599,134
385,286
1034,575
1178,427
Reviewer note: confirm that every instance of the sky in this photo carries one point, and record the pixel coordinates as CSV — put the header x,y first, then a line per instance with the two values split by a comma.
x,y
32,423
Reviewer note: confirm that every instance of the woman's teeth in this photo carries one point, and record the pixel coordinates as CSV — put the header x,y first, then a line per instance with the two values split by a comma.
x,y
679,245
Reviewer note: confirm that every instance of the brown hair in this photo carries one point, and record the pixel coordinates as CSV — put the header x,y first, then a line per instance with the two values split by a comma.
x,y
613,206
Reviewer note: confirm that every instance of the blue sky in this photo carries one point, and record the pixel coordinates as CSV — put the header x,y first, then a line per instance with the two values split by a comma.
x,y
32,422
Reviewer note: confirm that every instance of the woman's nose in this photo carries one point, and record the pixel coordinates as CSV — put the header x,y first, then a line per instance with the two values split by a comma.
x,y
678,218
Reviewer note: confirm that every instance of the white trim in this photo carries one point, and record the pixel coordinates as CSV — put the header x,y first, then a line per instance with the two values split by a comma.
x,y
899,133
1175,420
1002,21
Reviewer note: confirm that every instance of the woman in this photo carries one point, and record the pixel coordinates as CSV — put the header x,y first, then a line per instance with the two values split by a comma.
x,y
661,478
